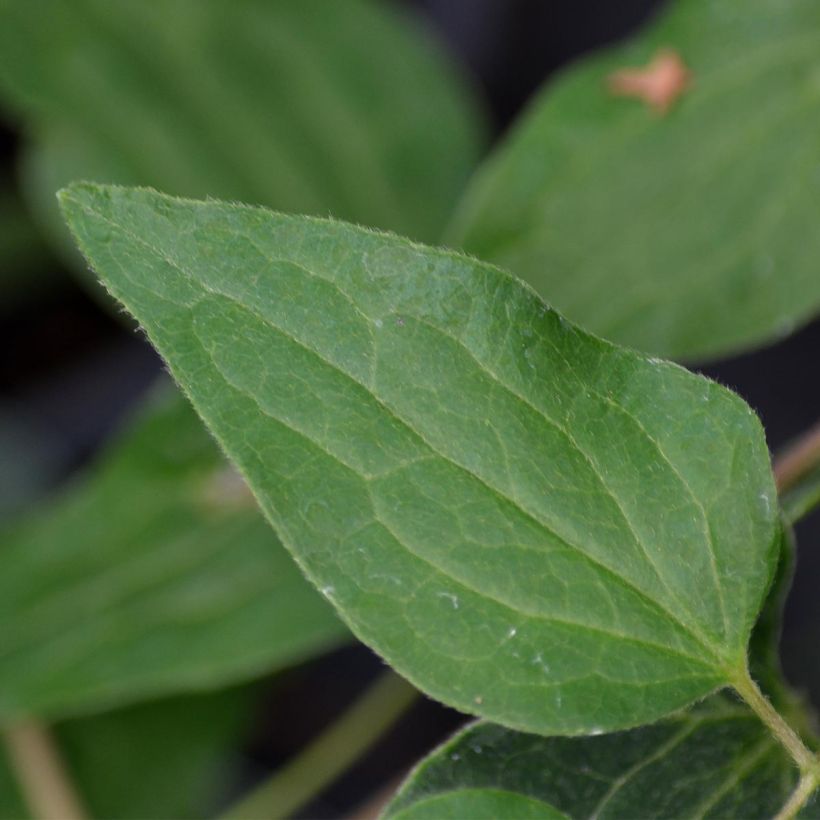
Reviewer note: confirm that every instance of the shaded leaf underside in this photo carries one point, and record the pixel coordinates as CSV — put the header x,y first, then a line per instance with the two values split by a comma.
x,y
716,761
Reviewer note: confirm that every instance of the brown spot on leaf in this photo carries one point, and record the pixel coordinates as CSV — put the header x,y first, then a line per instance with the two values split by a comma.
x,y
659,84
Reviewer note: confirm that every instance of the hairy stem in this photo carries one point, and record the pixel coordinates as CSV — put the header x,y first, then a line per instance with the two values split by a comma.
x,y
757,701
797,460
38,766
808,764
799,797
331,753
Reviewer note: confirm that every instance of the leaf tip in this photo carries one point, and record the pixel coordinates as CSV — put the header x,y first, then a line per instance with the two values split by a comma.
x,y
74,196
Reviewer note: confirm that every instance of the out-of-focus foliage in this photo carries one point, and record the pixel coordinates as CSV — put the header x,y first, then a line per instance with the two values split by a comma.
x,y
690,235
167,758
302,105
22,255
12,805
343,108
154,573
27,463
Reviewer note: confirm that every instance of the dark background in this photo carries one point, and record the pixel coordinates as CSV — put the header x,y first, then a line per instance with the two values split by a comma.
x,y
69,371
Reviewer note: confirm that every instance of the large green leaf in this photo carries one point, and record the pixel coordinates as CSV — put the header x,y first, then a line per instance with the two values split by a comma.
x,y
717,760
691,235
304,105
168,758
526,521
154,574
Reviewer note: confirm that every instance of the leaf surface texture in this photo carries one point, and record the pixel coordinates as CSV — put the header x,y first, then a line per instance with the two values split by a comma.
x,y
526,521
715,761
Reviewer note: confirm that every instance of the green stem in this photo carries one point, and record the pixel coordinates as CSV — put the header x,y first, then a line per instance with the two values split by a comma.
x,y
757,701
330,754
797,475
799,797
39,769
807,762
802,498
799,459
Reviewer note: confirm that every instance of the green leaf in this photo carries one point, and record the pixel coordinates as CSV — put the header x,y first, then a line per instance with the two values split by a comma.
x,y
306,106
479,804
154,574
691,235
526,521
716,760
169,758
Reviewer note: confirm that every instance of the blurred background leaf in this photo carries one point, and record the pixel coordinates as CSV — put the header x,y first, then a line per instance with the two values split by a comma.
x,y
155,573
12,805
168,758
691,235
68,371
303,105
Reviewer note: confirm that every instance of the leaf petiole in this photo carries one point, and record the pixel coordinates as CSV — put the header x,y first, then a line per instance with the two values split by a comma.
x,y
797,474
750,692
807,762
41,773
331,753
